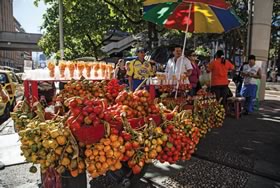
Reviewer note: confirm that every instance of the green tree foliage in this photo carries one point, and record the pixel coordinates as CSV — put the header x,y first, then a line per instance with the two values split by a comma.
x,y
86,24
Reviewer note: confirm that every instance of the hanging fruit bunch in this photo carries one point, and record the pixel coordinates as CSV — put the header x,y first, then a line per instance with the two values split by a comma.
x,y
85,120
208,113
51,145
182,139
113,88
219,115
105,155
141,145
21,115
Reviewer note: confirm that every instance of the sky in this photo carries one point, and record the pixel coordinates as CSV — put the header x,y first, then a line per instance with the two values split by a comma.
x,y
29,16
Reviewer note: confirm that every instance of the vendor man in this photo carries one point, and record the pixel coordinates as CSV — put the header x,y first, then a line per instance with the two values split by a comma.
x,y
174,64
138,70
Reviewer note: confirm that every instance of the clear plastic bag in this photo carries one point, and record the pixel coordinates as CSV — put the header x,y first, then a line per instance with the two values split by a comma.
x,y
205,78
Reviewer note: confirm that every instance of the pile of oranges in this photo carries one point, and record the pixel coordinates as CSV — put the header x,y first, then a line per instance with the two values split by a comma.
x,y
105,155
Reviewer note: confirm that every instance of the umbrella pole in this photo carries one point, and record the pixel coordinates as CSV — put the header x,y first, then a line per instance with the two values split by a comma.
x,y
184,46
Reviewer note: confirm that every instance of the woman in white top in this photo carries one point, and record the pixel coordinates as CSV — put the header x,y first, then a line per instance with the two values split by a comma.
x,y
251,72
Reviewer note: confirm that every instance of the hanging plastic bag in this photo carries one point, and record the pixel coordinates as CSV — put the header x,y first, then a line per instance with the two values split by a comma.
x,y
205,78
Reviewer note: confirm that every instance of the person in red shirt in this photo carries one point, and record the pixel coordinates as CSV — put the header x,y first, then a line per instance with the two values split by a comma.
x,y
219,69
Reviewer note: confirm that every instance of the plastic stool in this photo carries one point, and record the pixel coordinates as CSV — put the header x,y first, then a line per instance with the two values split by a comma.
x,y
234,106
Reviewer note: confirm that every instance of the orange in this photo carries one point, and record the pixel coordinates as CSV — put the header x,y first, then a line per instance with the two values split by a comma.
x,y
110,153
74,173
107,142
109,161
99,146
116,144
113,138
107,148
91,167
94,174
113,168
159,149
102,159
105,165
101,153
88,152
117,154
122,149
98,165
95,152
120,139
118,165
65,161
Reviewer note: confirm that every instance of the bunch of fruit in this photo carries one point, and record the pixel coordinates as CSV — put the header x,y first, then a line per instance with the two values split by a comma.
x,y
184,87
178,146
134,104
74,88
21,115
143,145
51,145
91,89
85,118
113,88
166,88
104,155
219,115
208,114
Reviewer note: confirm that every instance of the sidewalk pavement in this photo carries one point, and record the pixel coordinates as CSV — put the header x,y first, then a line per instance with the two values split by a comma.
x,y
242,153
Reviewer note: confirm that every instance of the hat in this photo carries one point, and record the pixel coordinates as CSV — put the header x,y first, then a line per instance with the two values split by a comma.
x,y
140,49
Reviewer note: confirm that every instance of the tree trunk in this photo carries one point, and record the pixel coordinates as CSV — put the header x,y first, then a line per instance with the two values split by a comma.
x,y
278,59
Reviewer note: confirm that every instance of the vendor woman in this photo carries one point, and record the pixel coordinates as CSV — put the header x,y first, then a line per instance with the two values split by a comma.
x,y
251,72
138,70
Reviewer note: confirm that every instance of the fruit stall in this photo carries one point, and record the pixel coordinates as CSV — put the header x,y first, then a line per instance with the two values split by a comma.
x,y
97,127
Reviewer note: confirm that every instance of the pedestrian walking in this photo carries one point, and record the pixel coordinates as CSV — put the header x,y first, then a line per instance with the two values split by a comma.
x,y
219,69
251,72
138,70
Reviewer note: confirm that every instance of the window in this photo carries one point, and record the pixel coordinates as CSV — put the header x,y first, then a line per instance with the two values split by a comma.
x,y
3,78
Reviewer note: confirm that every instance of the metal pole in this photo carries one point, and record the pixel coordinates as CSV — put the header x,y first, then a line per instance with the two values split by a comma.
x,y
184,47
61,45
249,33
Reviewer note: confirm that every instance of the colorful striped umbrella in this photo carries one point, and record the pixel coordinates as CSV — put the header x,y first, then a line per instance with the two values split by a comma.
x,y
206,16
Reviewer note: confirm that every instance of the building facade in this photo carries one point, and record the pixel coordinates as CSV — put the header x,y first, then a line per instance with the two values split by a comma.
x,y
13,59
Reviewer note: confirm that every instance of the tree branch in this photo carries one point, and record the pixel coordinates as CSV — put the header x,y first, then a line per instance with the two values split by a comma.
x,y
123,13
93,45
107,39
